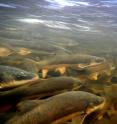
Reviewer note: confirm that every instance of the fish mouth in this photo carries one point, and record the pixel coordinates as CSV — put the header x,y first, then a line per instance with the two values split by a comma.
x,y
97,107
16,83
95,113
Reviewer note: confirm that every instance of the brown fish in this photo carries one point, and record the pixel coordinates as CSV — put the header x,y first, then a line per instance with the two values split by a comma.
x,y
61,108
91,71
62,63
41,89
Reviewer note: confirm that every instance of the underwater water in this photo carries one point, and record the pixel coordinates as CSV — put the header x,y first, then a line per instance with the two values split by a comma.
x,y
87,26
37,33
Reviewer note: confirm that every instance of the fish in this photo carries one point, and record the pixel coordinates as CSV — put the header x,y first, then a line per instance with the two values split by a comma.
x,y
61,108
12,77
40,89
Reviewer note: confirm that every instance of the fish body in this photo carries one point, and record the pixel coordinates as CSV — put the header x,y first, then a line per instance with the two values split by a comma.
x,y
60,108
40,89
60,64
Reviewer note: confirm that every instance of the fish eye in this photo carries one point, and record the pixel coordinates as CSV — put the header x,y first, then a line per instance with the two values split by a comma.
x,y
91,104
97,101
